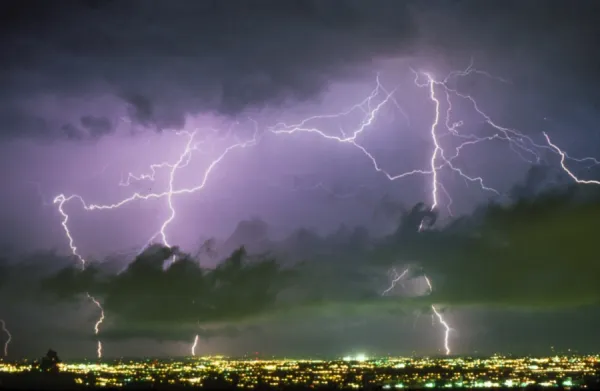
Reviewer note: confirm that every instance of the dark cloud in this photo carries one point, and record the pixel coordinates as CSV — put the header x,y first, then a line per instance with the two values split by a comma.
x,y
89,127
171,332
96,126
163,60
140,109
539,252
72,132
23,124
536,253
168,60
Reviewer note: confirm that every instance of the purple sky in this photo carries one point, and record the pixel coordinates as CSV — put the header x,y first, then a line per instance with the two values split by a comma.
x,y
97,91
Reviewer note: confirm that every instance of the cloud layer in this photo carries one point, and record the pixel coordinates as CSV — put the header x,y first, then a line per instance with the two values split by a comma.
x,y
539,252
76,69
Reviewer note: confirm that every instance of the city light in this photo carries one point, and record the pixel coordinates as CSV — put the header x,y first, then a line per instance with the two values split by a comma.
x,y
351,372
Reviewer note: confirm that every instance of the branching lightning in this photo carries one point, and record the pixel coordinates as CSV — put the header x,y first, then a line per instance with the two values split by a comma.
x,y
563,156
439,93
396,277
8,336
440,318
61,201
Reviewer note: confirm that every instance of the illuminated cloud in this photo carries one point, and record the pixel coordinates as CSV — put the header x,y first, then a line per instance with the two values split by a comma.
x,y
524,247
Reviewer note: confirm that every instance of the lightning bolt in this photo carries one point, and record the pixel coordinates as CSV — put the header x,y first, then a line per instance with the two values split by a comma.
x,y
98,323
194,345
150,177
441,319
440,159
8,335
564,156
395,278
61,201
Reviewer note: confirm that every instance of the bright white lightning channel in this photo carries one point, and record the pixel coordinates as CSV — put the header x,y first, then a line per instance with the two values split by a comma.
x,y
441,319
194,345
98,323
8,336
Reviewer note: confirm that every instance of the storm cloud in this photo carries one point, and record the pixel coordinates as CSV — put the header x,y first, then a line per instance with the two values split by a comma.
x,y
154,63
526,254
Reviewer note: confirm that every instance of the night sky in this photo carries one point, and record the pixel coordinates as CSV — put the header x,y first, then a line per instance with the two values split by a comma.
x,y
293,122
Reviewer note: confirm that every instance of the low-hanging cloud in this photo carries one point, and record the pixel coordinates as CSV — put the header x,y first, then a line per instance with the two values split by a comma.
x,y
539,252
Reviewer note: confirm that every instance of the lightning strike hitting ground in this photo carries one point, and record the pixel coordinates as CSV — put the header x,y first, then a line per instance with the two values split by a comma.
x,y
98,322
194,345
61,201
524,146
440,318
443,322
8,336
